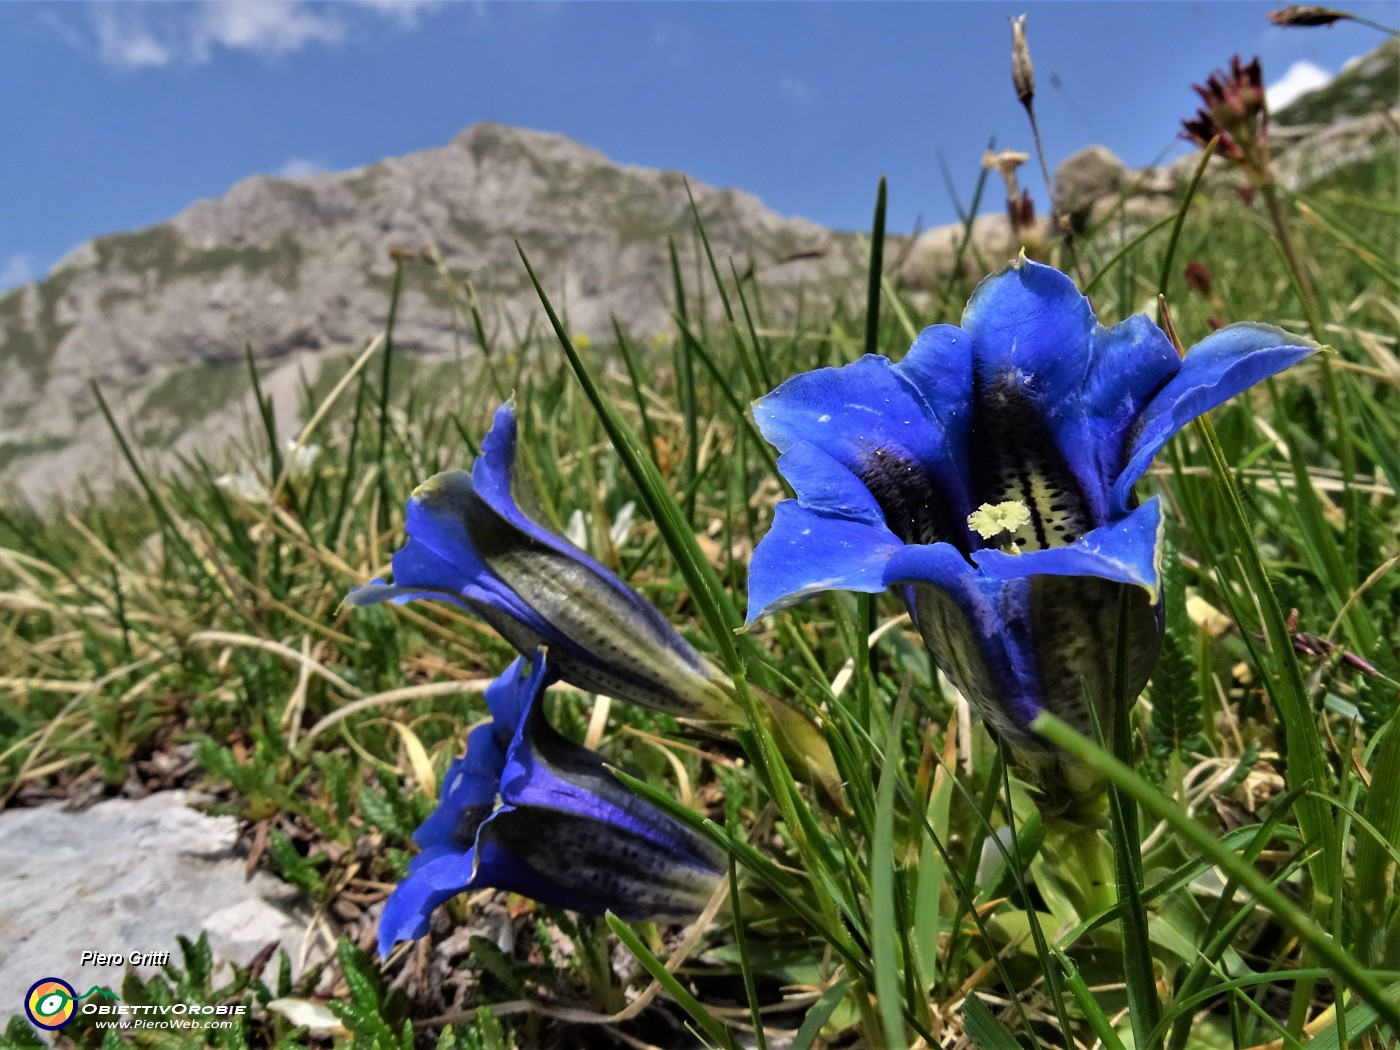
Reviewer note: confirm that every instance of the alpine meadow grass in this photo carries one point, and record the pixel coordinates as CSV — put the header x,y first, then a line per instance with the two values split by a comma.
x,y
878,869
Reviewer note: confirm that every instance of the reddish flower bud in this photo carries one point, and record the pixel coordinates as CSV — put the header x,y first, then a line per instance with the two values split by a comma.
x,y
1021,211
1234,113
1198,277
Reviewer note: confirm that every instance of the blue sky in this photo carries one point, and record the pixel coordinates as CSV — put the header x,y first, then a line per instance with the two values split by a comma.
x,y
115,115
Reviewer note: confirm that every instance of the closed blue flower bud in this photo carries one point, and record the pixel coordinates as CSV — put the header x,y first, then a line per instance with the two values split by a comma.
x,y
989,475
533,813
469,543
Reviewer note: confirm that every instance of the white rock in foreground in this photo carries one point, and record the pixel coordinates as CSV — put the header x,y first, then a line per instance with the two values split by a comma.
x,y
129,876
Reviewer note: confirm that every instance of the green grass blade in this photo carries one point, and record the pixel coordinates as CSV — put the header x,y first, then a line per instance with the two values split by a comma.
x,y
638,384
713,603
385,375
1144,1007
1180,218
1088,1005
1303,743
745,965
1375,863
707,1021
983,1029
877,261
1125,252
884,948
157,503
1359,1019
818,1015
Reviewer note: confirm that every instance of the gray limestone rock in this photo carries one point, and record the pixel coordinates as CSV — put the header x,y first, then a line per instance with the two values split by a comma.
x,y
1084,178
991,244
130,876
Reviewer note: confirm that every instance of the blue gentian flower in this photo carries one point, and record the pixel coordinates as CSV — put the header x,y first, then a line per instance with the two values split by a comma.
x,y
531,812
470,543
989,475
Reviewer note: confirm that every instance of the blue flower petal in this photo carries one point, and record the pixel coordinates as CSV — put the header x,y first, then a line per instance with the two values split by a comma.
x,y
440,553
1123,551
499,864
470,788
530,812
868,410
1087,383
805,553
439,560
493,479
509,697
990,653
469,543
1213,371
494,469
377,591
547,771
939,366
438,874
591,867
468,791
825,486
1129,362
1031,319
610,601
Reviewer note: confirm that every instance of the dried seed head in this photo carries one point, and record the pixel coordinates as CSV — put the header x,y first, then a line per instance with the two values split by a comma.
x,y
1022,72
1306,15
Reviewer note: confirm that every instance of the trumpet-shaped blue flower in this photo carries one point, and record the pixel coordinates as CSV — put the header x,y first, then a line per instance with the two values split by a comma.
x,y
531,812
989,475
470,543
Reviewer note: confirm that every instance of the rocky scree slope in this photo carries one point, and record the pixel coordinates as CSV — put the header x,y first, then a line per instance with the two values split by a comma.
x,y
298,271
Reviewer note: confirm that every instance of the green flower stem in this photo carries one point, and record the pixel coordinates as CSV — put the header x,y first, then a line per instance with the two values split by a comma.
x,y
1083,857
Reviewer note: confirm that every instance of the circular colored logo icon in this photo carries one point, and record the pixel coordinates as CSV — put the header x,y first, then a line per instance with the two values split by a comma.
x,y
50,1003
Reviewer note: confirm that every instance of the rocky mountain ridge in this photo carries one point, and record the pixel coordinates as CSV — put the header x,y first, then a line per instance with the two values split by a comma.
x,y
160,318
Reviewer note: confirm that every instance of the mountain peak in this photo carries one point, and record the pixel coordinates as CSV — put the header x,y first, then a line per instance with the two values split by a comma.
x,y
489,139
296,269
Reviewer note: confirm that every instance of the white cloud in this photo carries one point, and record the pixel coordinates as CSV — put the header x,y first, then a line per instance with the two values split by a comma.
x,y
796,90
1302,77
124,40
301,168
405,12
15,271
263,27
135,36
